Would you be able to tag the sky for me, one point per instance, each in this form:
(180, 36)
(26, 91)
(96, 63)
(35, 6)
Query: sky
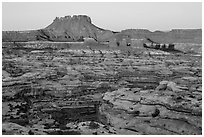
(115, 16)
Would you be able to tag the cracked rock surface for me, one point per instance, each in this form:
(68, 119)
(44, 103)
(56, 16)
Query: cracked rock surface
(83, 90)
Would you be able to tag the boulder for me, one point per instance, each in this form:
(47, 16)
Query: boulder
(5, 74)
(162, 85)
(173, 87)
(170, 85)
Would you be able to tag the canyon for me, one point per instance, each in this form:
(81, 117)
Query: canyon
(73, 78)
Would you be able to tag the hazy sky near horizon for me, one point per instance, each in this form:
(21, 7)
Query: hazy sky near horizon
(108, 15)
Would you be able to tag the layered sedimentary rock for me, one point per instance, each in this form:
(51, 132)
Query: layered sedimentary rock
(51, 88)
(89, 87)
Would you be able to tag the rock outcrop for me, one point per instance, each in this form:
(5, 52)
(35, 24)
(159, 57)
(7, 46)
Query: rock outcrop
(76, 28)
(50, 88)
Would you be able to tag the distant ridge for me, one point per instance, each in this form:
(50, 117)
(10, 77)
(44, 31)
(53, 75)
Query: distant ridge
(77, 27)
(173, 36)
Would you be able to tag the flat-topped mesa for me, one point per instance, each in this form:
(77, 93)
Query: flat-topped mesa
(79, 28)
(81, 17)
(68, 23)
(76, 18)
(75, 28)
(68, 28)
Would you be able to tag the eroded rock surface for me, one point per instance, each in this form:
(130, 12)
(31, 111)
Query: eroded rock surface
(70, 90)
